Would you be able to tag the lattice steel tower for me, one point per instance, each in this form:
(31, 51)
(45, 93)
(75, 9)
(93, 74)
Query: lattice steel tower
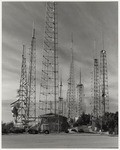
(104, 97)
(19, 107)
(49, 86)
(61, 102)
(80, 98)
(71, 90)
(32, 80)
(96, 89)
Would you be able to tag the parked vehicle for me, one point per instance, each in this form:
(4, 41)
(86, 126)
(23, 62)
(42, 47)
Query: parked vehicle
(72, 130)
(80, 129)
(17, 130)
(45, 129)
(35, 129)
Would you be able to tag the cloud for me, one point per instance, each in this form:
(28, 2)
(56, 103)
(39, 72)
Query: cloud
(85, 20)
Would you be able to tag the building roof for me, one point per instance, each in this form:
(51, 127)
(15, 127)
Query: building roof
(50, 115)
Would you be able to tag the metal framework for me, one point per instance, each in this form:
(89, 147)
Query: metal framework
(49, 86)
(71, 90)
(92, 92)
(80, 98)
(32, 80)
(96, 90)
(19, 107)
(104, 96)
(61, 102)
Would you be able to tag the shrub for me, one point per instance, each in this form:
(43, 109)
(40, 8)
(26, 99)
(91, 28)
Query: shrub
(6, 127)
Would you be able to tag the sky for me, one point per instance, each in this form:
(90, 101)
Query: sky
(86, 20)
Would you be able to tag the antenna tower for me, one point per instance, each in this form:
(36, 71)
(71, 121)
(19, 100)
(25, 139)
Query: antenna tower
(96, 90)
(19, 107)
(80, 97)
(95, 85)
(104, 97)
(71, 90)
(49, 86)
(61, 99)
(32, 80)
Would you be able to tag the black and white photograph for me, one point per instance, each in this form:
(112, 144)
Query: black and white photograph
(59, 74)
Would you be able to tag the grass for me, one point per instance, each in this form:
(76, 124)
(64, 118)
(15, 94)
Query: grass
(61, 140)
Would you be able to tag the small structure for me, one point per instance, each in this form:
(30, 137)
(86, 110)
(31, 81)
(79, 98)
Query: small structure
(53, 122)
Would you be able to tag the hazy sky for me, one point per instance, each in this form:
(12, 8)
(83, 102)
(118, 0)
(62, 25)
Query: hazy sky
(86, 20)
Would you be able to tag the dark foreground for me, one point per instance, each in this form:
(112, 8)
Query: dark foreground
(61, 140)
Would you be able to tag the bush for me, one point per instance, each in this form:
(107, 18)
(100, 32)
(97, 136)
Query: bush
(81, 131)
(6, 127)
(109, 122)
(17, 130)
(84, 119)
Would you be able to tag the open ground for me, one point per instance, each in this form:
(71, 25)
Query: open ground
(61, 140)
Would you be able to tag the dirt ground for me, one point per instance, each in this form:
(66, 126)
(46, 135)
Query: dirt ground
(61, 140)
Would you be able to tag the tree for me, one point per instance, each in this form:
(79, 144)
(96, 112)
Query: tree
(84, 119)
(110, 122)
